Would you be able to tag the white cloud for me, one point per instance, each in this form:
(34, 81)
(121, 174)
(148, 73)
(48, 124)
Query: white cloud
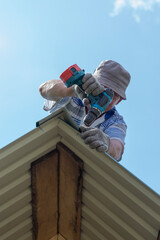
(135, 5)
(140, 4)
(118, 5)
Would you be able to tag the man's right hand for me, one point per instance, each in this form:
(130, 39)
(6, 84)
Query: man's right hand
(91, 85)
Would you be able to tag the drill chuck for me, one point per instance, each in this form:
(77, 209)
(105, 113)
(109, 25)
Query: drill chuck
(91, 116)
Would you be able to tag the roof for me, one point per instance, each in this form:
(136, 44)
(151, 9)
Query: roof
(115, 204)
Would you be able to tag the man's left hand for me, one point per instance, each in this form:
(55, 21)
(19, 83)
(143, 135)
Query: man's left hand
(96, 139)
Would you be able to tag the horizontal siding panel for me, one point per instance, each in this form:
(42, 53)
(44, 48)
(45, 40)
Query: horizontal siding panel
(118, 191)
(18, 231)
(91, 231)
(15, 187)
(15, 219)
(142, 209)
(35, 139)
(15, 165)
(146, 195)
(101, 226)
(101, 217)
(27, 236)
(15, 204)
(111, 167)
(84, 236)
(12, 172)
(117, 207)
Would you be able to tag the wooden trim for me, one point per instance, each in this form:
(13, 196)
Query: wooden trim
(158, 238)
(70, 193)
(45, 196)
(56, 195)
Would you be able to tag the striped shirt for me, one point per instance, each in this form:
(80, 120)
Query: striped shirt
(110, 123)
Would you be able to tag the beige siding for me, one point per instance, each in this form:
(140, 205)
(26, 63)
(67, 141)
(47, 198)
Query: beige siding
(15, 165)
(116, 205)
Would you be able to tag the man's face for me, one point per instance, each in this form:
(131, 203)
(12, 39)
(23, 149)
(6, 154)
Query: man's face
(115, 100)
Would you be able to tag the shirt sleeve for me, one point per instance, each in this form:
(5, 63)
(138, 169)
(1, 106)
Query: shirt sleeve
(117, 129)
(74, 106)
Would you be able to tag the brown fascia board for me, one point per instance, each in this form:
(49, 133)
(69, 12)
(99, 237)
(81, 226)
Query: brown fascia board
(57, 194)
(44, 177)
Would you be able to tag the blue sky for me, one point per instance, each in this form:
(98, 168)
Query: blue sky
(40, 39)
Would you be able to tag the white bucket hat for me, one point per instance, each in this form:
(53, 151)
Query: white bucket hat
(111, 74)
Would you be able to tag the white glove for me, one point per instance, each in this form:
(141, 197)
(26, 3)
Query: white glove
(96, 138)
(91, 85)
(78, 92)
(49, 89)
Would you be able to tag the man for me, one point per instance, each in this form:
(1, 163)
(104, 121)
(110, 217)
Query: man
(107, 133)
